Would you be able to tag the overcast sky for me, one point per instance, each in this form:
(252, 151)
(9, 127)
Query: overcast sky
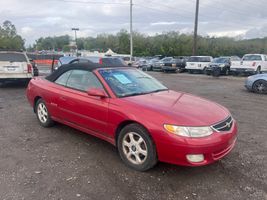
(33, 18)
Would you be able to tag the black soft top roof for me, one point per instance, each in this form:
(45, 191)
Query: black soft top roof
(90, 66)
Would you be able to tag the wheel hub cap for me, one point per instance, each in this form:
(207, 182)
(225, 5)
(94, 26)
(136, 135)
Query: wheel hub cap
(134, 148)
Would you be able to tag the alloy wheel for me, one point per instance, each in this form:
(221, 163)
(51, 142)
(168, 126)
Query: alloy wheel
(260, 86)
(134, 148)
(42, 112)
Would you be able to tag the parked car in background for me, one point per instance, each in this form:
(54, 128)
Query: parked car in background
(176, 64)
(141, 64)
(15, 66)
(126, 107)
(257, 83)
(198, 64)
(221, 65)
(105, 61)
(151, 63)
(127, 59)
(251, 64)
(158, 66)
(34, 67)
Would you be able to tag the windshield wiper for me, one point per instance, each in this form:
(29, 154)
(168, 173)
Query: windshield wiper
(159, 90)
(142, 93)
(135, 94)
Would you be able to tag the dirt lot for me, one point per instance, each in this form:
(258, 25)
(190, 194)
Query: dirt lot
(62, 163)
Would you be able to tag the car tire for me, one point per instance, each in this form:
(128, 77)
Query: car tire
(136, 148)
(260, 87)
(42, 114)
(179, 70)
(190, 71)
(227, 72)
(204, 71)
(2, 83)
(258, 71)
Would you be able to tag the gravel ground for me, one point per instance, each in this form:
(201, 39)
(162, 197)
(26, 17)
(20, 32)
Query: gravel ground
(63, 163)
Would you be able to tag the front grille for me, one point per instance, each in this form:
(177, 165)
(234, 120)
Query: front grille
(225, 125)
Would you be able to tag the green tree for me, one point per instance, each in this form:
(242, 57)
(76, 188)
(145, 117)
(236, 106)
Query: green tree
(9, 39)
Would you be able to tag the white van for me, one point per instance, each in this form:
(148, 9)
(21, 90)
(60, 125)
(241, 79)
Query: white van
(14, 66)
(198, 63)
(251, 64)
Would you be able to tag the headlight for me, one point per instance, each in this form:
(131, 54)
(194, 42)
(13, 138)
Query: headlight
(194, 132)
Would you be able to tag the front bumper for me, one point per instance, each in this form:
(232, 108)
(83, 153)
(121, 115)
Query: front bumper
(244, 70)
(157, 68)
(213, 148)
(15, 76)
(169, 68)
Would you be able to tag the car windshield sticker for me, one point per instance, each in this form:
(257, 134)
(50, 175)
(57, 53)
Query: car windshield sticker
(122, 78)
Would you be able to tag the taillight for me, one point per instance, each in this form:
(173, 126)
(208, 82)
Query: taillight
(100, 61)
(254, 64)
(29, 68)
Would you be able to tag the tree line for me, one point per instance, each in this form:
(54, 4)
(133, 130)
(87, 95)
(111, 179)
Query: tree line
(167, 43)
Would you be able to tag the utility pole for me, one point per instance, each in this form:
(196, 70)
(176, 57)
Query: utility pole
(195, 29)
(131, 30)
(75, 31)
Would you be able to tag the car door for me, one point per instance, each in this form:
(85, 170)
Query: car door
(80, 109)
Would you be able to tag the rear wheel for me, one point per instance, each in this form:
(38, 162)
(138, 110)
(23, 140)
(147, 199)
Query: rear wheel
(260, 87)
(136, 148)
(42, 114)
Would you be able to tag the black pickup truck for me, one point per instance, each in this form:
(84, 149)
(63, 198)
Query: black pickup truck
(177, 64)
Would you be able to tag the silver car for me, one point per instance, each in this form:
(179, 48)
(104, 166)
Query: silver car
(257, 83)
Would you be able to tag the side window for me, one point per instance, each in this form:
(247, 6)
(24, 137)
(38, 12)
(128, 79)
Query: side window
(83, 80)
(62, 80)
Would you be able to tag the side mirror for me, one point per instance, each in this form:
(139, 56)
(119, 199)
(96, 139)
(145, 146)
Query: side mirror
(96, 92)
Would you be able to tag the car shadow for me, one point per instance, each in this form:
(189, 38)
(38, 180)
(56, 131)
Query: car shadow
(106, 148)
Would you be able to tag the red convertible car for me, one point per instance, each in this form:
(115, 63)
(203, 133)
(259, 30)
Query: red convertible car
(146, 121)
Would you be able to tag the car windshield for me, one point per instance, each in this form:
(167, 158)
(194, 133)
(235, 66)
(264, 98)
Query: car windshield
(199, 59)
(130, 82)
(252, 57)
(220, 60)
(13, 57)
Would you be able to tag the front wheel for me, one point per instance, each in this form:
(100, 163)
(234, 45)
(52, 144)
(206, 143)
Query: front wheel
(136, 148)
(260, 87)
(42, 114)
(180, 70)
(227, 71)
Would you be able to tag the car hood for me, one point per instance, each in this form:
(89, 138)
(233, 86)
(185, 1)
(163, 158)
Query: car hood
(259, 76)
(181, 108)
